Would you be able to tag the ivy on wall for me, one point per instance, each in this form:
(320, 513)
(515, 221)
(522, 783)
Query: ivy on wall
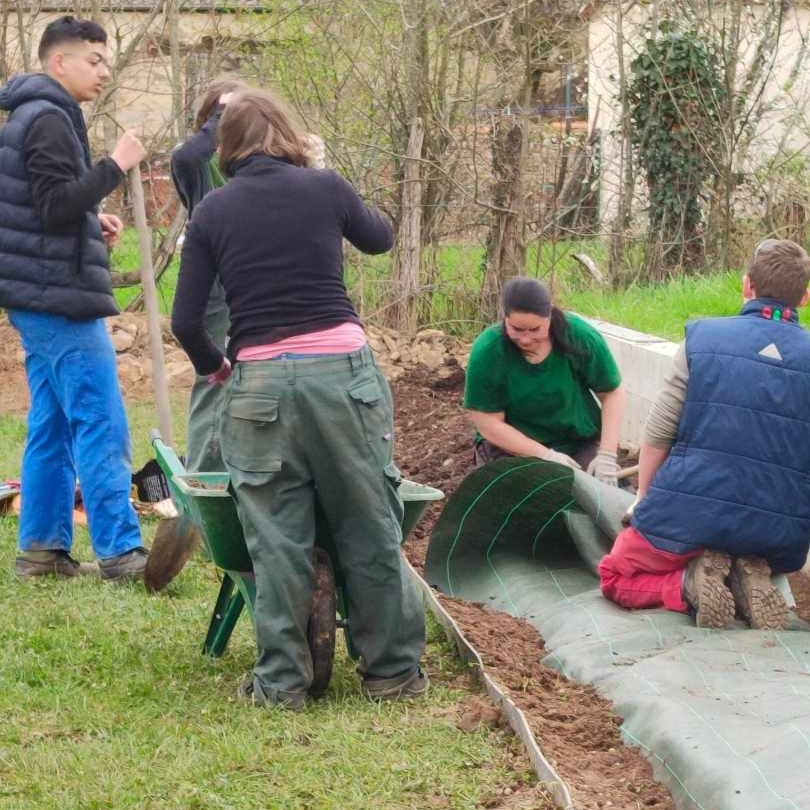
(675, 95)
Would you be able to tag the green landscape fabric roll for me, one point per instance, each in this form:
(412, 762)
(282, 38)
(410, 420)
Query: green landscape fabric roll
(724, 716)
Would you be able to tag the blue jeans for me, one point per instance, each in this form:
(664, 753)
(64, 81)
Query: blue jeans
(76, 424)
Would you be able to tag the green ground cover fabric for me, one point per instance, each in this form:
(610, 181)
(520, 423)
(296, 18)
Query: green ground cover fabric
(724, 716)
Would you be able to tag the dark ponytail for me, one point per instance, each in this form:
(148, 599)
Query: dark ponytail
(558, 333)
(530, 295)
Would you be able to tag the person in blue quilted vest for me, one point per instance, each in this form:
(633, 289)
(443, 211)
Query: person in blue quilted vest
(55, 285)
(724, 479)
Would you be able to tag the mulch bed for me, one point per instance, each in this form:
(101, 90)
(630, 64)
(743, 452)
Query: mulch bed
(577, 730)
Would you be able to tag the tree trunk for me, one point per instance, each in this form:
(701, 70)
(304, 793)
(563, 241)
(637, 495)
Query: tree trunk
(4, 66)
(506, 247)
(197, 75)
(621, 223)
(172, 12)
(408, 257)
(23, 26)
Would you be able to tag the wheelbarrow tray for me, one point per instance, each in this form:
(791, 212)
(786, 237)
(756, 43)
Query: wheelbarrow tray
(206, 499)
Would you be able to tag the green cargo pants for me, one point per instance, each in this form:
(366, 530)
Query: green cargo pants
(294, 430)
(203, 453)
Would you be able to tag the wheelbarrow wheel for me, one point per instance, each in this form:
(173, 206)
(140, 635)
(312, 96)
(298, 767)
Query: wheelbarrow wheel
(322, 624)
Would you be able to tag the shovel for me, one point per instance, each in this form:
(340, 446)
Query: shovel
(176, 538)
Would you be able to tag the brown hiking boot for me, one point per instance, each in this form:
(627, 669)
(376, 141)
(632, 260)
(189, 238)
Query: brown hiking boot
(52, 562)
(411, 685)
(124, 567)
(757, 600)
(704, 589)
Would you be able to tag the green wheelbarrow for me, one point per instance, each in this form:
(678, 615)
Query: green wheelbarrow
(205, 500)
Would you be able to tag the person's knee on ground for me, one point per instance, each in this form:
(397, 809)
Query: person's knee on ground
(637, 575)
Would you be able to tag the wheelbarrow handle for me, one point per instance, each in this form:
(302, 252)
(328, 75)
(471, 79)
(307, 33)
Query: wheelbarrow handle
(155, 436)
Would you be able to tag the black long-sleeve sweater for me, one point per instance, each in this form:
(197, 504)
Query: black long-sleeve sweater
(62, 188)
(274, 237)
(191, 176)
(189, 162)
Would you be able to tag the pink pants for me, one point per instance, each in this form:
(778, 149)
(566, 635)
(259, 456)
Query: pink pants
(638, 575)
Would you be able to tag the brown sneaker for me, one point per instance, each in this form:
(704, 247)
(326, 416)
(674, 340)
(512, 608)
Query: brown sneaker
(704, 589)
(411, 685)
(757, 600)
(124, 567)
(53, 562)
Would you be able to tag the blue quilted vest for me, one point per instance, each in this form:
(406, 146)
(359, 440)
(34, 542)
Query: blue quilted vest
(63, 272)
(737, 478)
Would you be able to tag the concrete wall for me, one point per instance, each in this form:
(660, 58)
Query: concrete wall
(644, 361)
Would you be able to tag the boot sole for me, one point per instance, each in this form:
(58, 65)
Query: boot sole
(758, 602)
(715, 600)
(716, 605)
(126, 576)
(87, 570)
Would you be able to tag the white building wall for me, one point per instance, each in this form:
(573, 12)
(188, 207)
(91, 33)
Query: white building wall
(784, 126)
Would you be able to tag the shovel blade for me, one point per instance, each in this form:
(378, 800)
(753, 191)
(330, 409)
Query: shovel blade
(174, 543)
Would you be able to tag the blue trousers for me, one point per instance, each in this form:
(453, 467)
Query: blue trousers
(76, 424)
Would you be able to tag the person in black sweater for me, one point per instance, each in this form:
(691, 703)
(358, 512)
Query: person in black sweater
(307, 414)
(195, 173)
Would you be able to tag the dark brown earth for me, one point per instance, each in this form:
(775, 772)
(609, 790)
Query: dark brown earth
(577, 730)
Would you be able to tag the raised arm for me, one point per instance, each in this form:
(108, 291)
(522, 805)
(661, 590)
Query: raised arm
(366, 228)
(62, 190)
(190, 158)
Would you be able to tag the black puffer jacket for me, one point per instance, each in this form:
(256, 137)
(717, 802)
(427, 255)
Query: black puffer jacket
(62, 270)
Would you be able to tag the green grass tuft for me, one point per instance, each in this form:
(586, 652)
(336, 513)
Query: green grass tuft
(451, 300)
(107, 702)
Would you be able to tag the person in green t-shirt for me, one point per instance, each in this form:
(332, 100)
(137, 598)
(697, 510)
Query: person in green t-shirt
(535, 384)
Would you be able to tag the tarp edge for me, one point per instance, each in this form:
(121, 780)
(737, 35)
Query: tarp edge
(546, 773)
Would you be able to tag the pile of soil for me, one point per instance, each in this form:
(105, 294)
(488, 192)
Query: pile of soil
(429, 349)
(14, 390)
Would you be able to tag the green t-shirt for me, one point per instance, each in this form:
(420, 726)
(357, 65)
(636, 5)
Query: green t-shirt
(551, 402)
(215, 176)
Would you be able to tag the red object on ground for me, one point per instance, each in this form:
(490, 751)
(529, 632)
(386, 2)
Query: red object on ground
(636, 574)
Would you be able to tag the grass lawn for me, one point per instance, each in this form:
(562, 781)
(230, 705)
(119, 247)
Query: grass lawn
(451, 298)
(661, 309)
(107, 703)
